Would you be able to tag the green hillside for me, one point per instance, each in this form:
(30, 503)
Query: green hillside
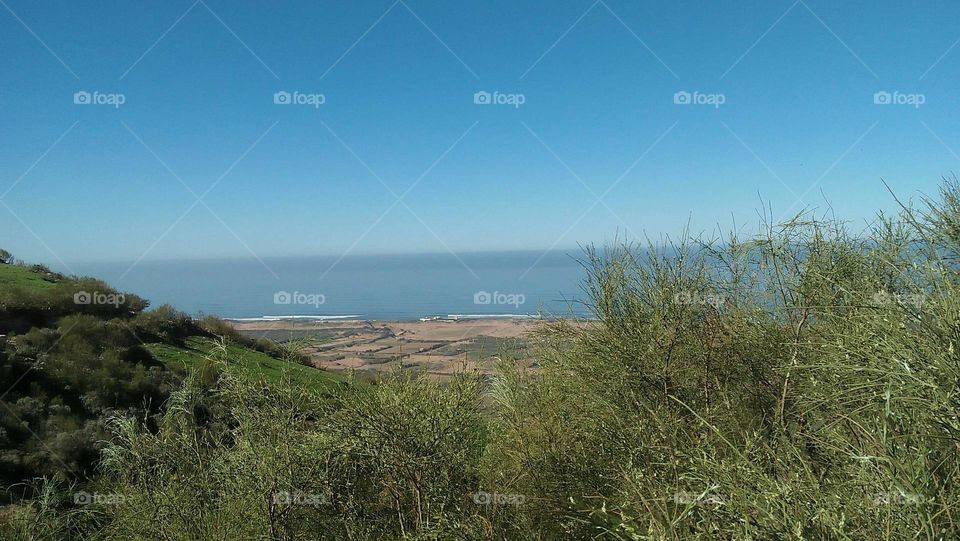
(69, 367)
(255, 364)
(19, 276)
(37, 282)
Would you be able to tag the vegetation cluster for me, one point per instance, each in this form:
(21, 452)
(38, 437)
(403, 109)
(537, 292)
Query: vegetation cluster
(798, 384)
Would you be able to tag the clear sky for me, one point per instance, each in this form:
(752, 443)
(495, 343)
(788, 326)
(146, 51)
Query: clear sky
(788, 112)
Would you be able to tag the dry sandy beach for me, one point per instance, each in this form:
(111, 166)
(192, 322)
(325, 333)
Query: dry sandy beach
(436, 348)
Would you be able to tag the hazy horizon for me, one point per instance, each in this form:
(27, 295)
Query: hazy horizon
(386, 287)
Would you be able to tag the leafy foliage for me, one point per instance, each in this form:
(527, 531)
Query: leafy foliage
(355, 462)
(69, 364)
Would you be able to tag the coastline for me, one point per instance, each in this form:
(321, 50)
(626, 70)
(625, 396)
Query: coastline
(357, 317)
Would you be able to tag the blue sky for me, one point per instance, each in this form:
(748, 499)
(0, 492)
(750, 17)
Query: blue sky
(87, 182)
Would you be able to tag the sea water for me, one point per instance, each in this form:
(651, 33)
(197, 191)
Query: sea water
(379, 287)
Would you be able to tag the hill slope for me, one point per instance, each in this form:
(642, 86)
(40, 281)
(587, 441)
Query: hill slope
(253, 363)
(69, 364)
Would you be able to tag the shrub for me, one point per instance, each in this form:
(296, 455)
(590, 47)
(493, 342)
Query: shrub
(366, 463)
(163, 324)
(798, 385)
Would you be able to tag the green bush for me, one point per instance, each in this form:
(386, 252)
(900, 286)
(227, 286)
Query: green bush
(798, 385)
(49, 516)
(245, 460)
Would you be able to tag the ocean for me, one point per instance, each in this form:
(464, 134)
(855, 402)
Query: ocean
(375, 287)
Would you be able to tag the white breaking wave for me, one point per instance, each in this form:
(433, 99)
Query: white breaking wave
(282, 318)
(493, 316)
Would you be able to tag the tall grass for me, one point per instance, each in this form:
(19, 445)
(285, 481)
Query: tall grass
(801, 384)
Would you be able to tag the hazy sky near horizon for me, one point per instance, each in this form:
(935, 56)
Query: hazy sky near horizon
(588, 143)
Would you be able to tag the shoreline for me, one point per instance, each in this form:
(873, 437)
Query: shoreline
(359, 318)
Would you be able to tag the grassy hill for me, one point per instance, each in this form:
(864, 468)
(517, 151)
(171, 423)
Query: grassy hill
(20, 276)
(255, 364)
(37, 281)
(69, 367)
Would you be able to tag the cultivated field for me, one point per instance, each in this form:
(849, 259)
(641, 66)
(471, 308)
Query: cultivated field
(435, 348)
